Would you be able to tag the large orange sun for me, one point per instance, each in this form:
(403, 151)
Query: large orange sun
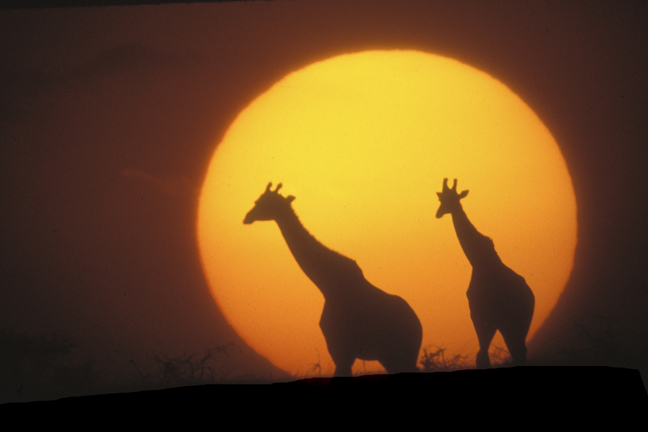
(363, 141)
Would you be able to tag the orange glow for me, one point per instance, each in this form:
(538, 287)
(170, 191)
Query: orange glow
(363, 141)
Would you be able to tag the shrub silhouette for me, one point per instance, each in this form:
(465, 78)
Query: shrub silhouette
(184, 370)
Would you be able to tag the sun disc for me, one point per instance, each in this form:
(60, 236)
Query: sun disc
(363, 141)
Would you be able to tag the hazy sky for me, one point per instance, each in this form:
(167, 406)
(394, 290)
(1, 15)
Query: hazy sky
(109, 117)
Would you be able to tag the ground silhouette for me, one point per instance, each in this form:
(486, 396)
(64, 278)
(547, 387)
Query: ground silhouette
(556, 392)
(499, 298)
(359, 321)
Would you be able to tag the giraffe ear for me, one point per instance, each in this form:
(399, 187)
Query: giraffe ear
(439, 194)
(463, 194)
(290, 199)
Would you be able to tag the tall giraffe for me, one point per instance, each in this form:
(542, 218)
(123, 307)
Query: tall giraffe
(499, 298)
(359, 321)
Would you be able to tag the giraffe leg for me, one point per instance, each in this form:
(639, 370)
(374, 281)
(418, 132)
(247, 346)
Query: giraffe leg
(515, 330)
(516, 343)
(342, 357)
(485, 333)
(400, 364)
(343, 367)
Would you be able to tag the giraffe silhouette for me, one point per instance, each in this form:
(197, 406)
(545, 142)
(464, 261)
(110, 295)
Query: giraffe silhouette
(359, 321)
(499, 298)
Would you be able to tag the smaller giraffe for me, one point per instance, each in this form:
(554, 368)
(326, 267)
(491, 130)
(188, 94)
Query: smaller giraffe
(499, 298)
(359, 321)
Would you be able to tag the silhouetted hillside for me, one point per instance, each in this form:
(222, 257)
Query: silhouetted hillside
(551, 390)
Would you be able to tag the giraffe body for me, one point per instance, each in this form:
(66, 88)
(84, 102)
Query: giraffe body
(359, 321)
(498, 298)
(371, 325)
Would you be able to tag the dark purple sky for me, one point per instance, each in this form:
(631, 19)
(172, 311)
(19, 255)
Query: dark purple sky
(109, 116)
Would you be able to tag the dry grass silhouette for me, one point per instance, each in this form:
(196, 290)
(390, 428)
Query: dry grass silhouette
(435, 359)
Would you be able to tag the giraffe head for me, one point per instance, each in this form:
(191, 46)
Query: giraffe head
(449, 198)
(269, 205)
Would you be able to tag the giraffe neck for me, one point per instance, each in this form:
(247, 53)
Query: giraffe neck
(333, 273)
(477, 247)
